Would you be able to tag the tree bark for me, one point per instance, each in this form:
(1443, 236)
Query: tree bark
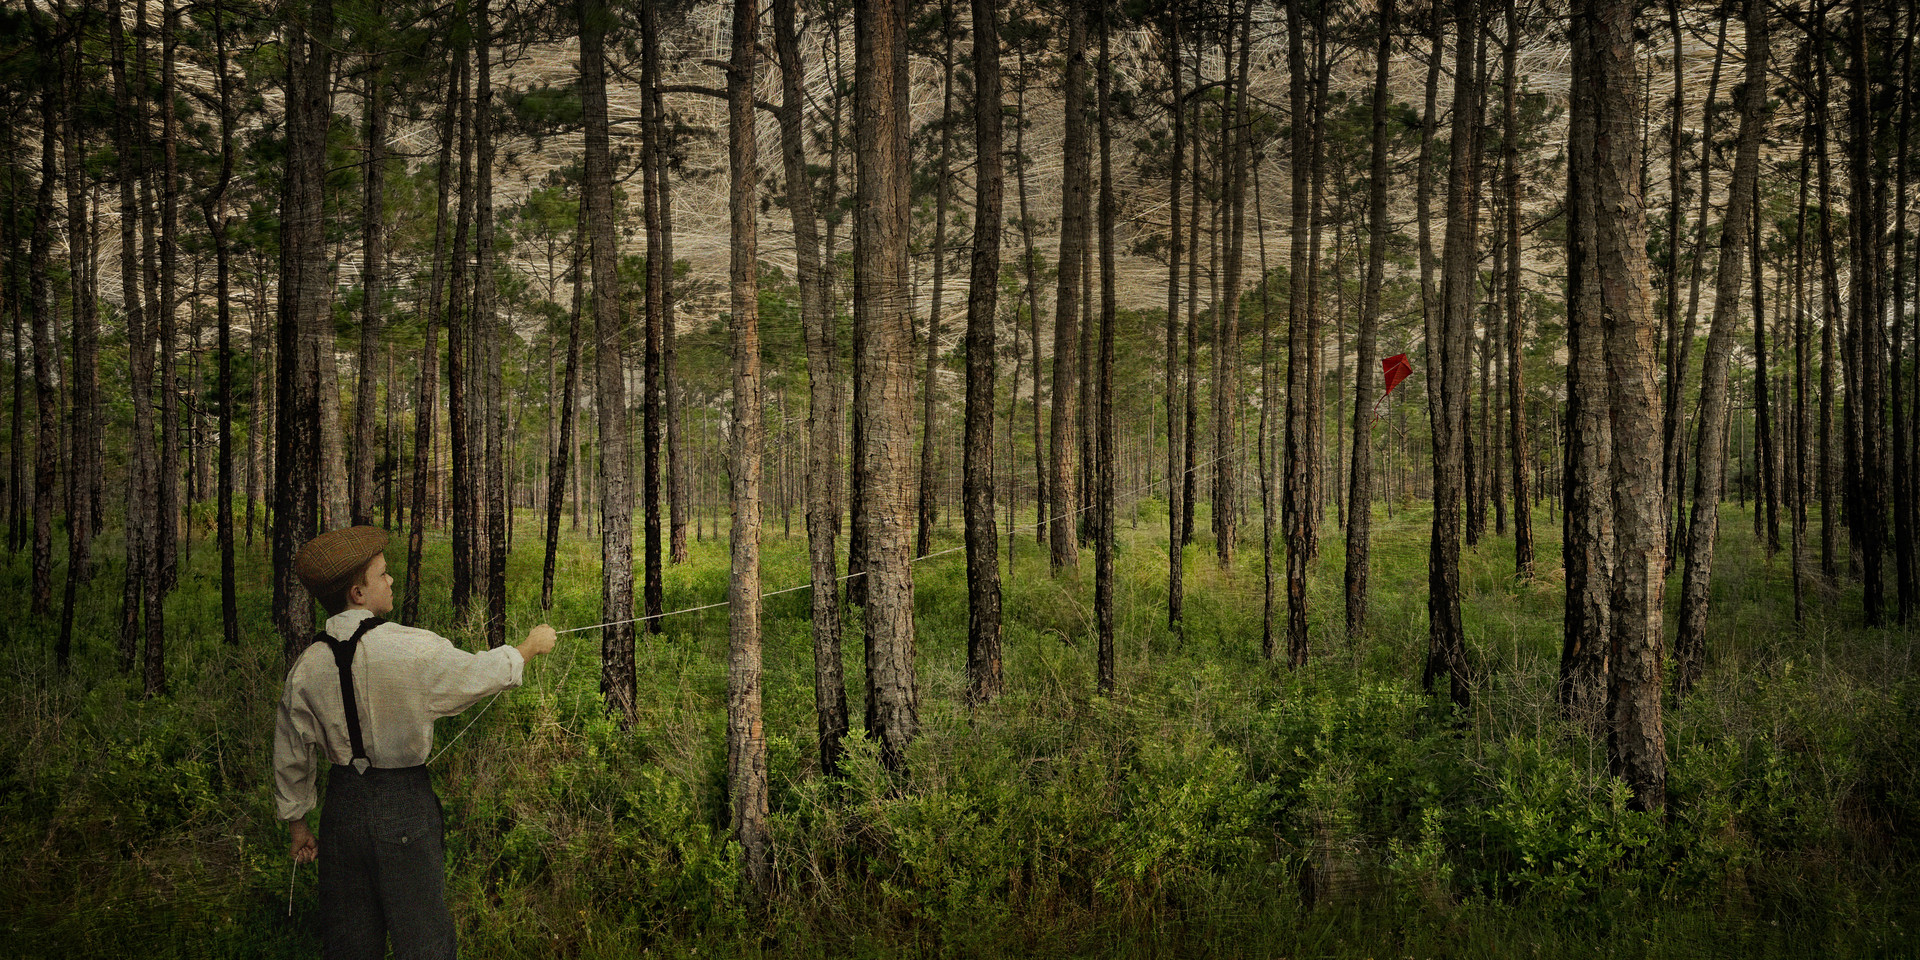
(1176, 572)
(1715, 408)
(1609, 164)
(305, 334)
(1064, 509)
(86, 467)
(882, 320)
(216, 216)
(746, 726)
(372, 277)
(459, 338)
(1446, 636)
(928, 499)
(823, 421)
(1516, 391)
(984, 679)
(1360, 479)
(1870, 520)
(487, 334)
(1104, 449)
(617, 680)
(659, 270)
(425, 409)
(46, 447)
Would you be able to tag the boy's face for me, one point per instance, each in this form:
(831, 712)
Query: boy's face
(377, 594)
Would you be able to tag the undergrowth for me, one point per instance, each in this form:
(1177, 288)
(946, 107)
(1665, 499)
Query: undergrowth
(1216, 805)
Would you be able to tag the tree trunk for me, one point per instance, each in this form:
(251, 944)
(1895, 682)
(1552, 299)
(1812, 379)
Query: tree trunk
(883, 322)
(216, 216)
(1516, 392)
(1226, 387)
(1360, 480)
(1446, 637)
(372, 276)
(46, 458)
(1870, 503)
(823, 421)
(928, 500)
(486, 328)
(1908, 583)
(167, 491)
(983, 573)
(1675, 440)
(137, 581)
(1175, 555)
(617, 680)
(746, 726)
(86, 467)
(1064, 509)
(424, 410)
(1608, 182)
(459, 335)
(1715, 408)
(305, 332)
(1104, 448)
(659, 270)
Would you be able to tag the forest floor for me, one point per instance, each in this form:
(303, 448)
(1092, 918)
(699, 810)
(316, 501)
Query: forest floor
(1216, 805)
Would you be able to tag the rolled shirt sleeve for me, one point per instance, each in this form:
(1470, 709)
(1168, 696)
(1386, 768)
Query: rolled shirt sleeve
(295, 769)
(458, 679)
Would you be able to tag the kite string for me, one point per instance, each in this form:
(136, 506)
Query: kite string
(1016, 531)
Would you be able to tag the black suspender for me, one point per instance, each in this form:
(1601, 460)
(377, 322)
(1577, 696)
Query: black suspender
(343, 658)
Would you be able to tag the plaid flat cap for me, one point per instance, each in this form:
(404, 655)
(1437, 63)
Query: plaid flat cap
(332, 557)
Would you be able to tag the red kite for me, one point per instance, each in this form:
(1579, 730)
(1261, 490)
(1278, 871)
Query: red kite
(1395, 369)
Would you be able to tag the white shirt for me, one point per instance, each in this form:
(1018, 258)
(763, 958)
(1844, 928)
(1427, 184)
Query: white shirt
(403, 678)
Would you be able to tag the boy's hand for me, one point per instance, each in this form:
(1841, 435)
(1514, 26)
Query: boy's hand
(539, 640)
(305, 848)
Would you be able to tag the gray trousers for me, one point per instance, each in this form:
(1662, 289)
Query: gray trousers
(383, 867)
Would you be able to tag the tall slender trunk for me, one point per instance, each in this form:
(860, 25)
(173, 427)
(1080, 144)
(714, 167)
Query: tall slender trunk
(1715, 406)
(1609, 164)
(1175, 555)
(1908, 583)
(1675, 439)
(823, 373)
(1360, 479)
(305, 335)
(1516, 391)
(617, 680)
(1226, 388)
(654, 332)
(1298, 505)
(1104, 449)
(459, 337)
(883, 322)
(984, 679)
(81, 522)
(1061, 481)
(46, 453)
(424, 409)
(1446, 637)
(167, 490)
(487, 333)
(216, 216)
(1830, 517)
(372, 274)
(928, 498)
(1870, 502)
(1768, 473)
(746, 725)
(1190, 475)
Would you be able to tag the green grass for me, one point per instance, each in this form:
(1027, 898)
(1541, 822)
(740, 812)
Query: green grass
(1189, 814)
